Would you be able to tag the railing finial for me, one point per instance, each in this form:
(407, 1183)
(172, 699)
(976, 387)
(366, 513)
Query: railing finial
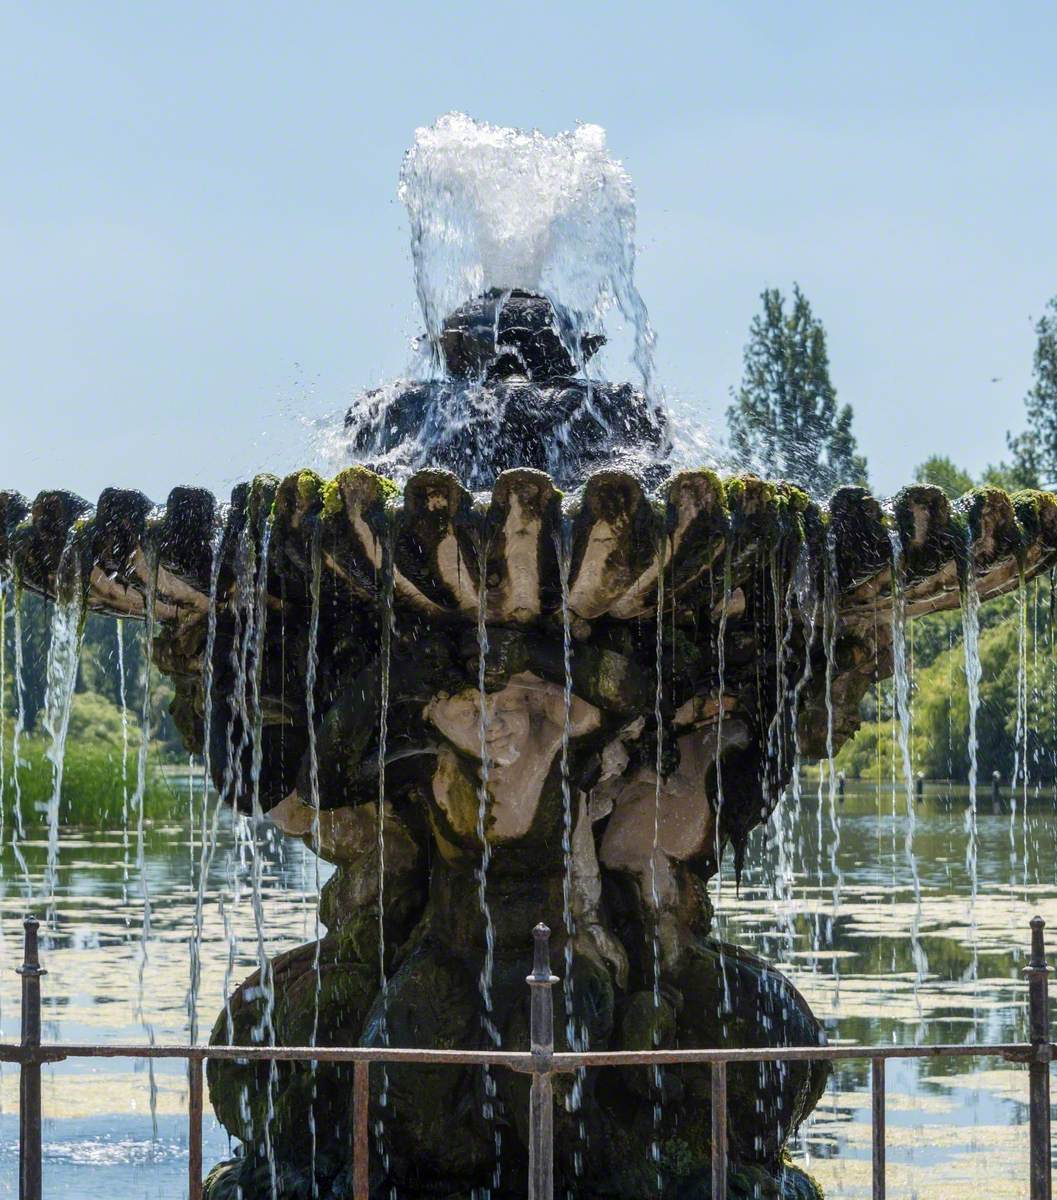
(31, 948)
(1038, 946)
(541, 957)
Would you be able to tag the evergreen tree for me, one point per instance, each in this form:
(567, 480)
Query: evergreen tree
(785, 421)
(1035, 450)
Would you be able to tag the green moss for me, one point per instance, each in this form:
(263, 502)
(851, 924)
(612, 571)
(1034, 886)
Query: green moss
(333, 499)
(973, 504)
(1029, 505)
(261, 496)
(794, 498)
(309, 487)
(333, 504)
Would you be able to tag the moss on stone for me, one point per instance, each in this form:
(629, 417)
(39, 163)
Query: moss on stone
(975, 502)
(261, 497)
(332, 490)
(309, 487)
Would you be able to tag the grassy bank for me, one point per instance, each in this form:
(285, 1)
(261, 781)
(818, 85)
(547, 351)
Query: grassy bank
(95, 781)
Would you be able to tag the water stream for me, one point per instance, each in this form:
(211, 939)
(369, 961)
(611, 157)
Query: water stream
(655, 852)
(484, 981)
(138, 804)
(208, 828)
(903, 709)
(18, 831)
(386, 629)
(64, 653)
(973, 674)
(576, 1035)
(311, 671)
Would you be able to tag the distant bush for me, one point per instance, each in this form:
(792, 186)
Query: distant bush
(940, 704)
(92, 787)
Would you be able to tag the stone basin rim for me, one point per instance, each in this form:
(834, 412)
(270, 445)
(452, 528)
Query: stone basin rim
(616, 532)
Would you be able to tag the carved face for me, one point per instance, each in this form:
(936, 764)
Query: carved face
(522, 726)
(526, 712)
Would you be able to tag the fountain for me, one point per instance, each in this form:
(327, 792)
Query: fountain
(493, 707)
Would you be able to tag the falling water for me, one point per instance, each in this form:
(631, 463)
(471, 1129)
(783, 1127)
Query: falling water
(311, 670)
(575, 1034)
(830, 620)
(208, 830)
(902, 700)
(655, 899)
(1020, 747)
(485, 979)
(806, 597)
(138, 802)
(119, 635)
(18, 832)
(242, 608)
(3, 700)
(973, 674)
(386, 619)
(807, 600)
(387, 622)
(64, 655)
(265, 1029)
(721, 671)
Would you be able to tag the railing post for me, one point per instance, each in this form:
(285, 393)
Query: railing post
(361, 1101)
(719, 1131)
(194, 1128)
(878, 1131)
(29, 1116)
(541, 1101)
(1039, 1070)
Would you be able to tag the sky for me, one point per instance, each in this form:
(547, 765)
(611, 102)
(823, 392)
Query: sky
(204, 258)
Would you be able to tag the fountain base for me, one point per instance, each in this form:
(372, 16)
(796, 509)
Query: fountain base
(452, 1131)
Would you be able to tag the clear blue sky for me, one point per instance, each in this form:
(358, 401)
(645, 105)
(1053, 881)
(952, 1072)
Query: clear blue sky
(201, 241)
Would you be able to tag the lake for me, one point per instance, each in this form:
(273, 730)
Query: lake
(829, 893)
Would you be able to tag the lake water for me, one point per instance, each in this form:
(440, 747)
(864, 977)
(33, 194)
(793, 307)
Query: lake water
(842, 927)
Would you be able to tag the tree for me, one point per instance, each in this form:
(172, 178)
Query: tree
(1035, 450)
(784, 420)
(941, 472)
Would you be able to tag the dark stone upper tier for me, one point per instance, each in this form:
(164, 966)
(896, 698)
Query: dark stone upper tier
(514, 396)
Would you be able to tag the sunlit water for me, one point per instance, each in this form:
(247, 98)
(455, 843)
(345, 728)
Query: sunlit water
(98, 1134)
(951, 1124)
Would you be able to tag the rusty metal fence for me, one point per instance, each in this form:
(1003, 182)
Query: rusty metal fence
(542, 1063)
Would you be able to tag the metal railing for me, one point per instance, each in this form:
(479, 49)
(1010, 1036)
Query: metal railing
(542, 1063)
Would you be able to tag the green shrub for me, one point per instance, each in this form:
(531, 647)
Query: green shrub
(92, 788)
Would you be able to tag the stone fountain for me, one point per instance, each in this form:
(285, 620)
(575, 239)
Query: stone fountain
(492, 708)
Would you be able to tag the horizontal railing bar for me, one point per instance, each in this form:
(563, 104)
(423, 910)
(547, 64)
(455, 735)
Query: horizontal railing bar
(520, 1060)
(630, 1058)
(515, 1059)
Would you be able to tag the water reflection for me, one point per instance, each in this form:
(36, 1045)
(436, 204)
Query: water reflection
(99, 1136)
(950, 1121)
(948, 1124)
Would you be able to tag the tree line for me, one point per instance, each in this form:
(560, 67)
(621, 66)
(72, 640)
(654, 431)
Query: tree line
(784, 420)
